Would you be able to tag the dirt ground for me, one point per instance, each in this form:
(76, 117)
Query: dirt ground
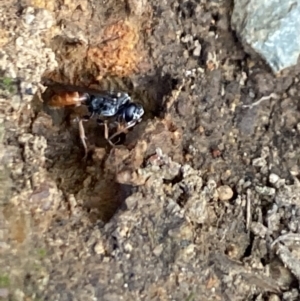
(201, 201)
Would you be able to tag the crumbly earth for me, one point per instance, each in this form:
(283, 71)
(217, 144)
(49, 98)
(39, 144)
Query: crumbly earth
(202, 199)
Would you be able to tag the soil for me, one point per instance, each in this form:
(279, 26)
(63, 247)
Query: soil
(199, 201)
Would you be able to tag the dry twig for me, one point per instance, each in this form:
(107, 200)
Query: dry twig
(250, 106)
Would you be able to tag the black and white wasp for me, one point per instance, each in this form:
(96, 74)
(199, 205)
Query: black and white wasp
(107, 106)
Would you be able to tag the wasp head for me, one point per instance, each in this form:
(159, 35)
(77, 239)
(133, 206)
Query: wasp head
(132, 112)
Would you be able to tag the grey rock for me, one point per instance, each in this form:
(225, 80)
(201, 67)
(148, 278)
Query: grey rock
(269, 28)
(259, 162)
(197, 49)
(273, 178)
(265, 190)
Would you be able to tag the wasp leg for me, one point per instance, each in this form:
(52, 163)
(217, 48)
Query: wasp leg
(121, 129)
(106, 133)
(82, 132)
(106, 130)
(82, 137)
(104, 123)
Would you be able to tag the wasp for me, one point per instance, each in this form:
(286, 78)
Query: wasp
(116, 106)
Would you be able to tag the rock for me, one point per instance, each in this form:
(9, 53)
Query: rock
(273, 297)
(273, 178)
(158, 250)
(99, 248)
(259, 162)
(196, 208)
(197, 49)
(225, 193)
(264, 190)
(196, 197)
(290, 260)
(269, 28)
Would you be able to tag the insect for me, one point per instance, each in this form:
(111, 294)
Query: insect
(116, 106)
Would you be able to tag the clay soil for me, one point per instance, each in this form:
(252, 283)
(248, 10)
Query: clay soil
(199, 201)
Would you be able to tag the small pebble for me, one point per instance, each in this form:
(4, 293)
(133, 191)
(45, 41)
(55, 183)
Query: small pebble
(28, 18)
(158, 250)
(252, 94)
(19, 41)
(99, 248)
(273, 178)
(294, 171)
(225, 193)
(187, 38)
(273, 297)
(264, 190)
(183, 107)
(259, 162)
(197, 50)
(196, 209)
(232, 251)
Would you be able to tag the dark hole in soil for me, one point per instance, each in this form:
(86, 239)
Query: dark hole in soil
(65, 152)
(248, 250)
